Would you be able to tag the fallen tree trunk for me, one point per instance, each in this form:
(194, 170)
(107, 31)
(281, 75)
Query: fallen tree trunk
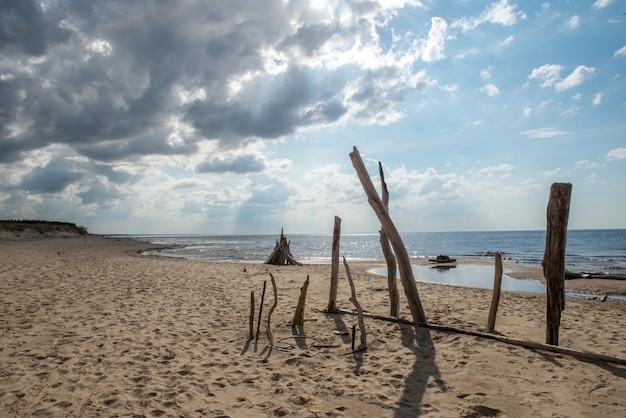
(582, 354)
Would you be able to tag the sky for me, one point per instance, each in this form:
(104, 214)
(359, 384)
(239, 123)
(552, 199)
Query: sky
(238, 117)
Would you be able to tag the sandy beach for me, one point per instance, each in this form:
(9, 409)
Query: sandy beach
(91, 328)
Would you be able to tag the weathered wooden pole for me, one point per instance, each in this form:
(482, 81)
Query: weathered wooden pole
(554, 257)
(298, 316)
(404, 263)
(359, 309)
(495, 297)
(334, 269)
(392, 283)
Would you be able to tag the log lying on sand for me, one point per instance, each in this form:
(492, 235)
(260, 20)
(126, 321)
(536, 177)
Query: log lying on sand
(281, 254)
(571, 275)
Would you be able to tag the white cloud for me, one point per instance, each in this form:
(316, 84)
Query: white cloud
(601, 4)
(548, 74)
(501, 13)
(597, 100)
(551, 173)
(576, 78)
(544, 133)
(620, 52)
(485, 73)
(527, 111)
(617, 154)
(587, 165)
(433, 48)
(500, 171)
(507, 41)
(574, 22)
(490, 90)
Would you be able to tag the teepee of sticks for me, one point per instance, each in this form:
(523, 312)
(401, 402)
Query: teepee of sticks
(281, 254)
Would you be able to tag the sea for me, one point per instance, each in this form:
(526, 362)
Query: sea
(598, 251)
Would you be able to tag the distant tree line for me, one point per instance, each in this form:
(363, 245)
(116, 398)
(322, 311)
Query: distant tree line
(41, 226)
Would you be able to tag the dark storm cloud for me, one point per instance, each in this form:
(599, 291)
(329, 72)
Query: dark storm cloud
(52, 178)
(114, 80)
(100, 194)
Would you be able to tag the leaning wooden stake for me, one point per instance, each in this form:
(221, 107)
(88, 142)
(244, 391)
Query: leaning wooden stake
(258, 326)
(359, 310)
(334, 269)
(251, 334)
(298, 316)
(495, 298)
(554, 258)
(392, 283)
(404, 263)
(270, 337)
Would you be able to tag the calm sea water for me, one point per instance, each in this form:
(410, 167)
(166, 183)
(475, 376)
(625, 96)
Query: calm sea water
(587, 250)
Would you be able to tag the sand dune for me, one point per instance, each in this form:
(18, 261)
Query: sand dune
(90, 328)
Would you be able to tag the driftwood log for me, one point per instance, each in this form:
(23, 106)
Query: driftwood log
(390, 258)
(334, 268)
(582, 354)
(258, 326)
(281, 254)
(554, 258)
(251, 333)
(404, 263)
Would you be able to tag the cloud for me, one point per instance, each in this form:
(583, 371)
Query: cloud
(576, 78)
(597, 99)
(117, 81)
(550, 75)
(239, 164)
(501, 13)
(620, 52)
(544, 133)
(617, 154)
(574, 22)
(490, 90)
(601, 4)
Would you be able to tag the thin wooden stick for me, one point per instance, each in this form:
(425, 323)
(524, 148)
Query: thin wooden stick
(357, 305)
(251, 334)
(270, 337)
(258, 326)
(495, 297)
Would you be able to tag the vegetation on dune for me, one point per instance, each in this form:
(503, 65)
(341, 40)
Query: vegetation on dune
(43, 227)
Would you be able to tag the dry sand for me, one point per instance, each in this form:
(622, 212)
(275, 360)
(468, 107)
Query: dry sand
(90, 328)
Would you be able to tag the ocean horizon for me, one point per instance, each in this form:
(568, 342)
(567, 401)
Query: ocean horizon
(587, 250)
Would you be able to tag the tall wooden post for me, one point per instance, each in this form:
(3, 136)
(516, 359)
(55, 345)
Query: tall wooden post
(495, 297)
(404, 263)
(554, 257)
(334, 269)
(392, 284)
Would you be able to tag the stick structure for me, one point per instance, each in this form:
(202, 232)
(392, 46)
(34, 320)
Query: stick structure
(495, 297)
